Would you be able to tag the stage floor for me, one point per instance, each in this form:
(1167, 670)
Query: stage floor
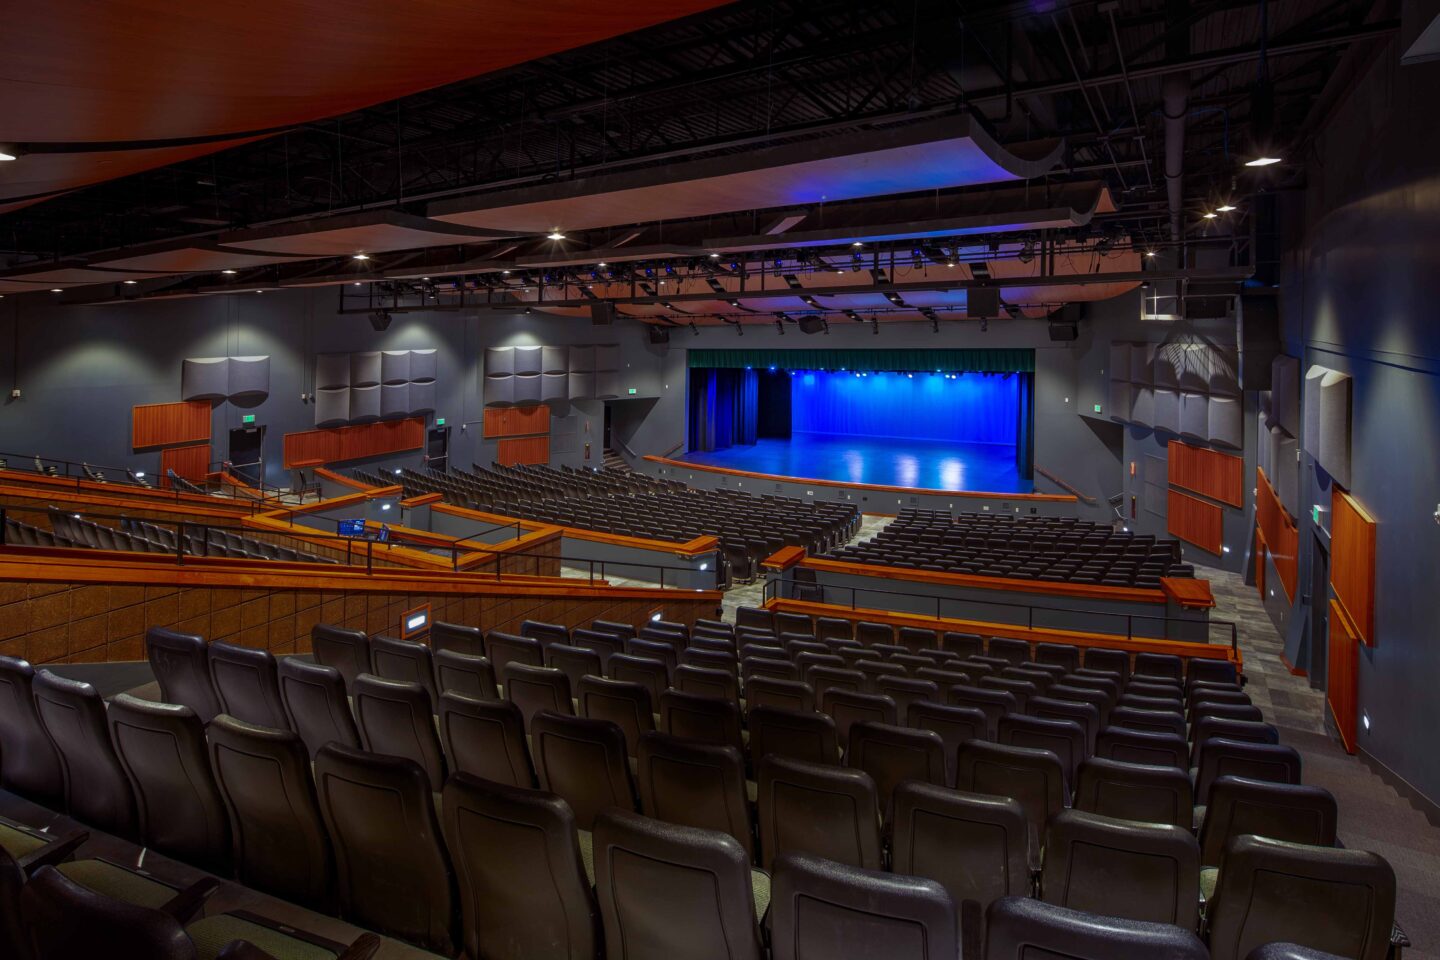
(884, 461)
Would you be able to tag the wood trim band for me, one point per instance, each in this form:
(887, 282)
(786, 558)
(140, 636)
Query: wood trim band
(1195, 521)
(1210, 473)
(692, 548)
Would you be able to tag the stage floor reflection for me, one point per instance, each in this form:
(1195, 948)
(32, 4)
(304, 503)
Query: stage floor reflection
(887, 461)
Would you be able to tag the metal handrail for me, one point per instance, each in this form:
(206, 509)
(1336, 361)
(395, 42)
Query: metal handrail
(119, 477)
(772, 591)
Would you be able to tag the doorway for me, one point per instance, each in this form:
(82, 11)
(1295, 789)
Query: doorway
(1319, 638)
(607, 427)
(246, 452)
(437, 448)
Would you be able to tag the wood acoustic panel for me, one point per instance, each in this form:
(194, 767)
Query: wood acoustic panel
(1210, 473)
(189, 463)
(1352, 563)
(1195, 521)
(524, 450)
(1342, 691)
(517, 421)
(165, 424)
(1281, 536)
(316, 447)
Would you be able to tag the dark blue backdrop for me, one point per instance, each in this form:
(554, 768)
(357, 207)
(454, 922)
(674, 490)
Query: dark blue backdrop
(971, 408)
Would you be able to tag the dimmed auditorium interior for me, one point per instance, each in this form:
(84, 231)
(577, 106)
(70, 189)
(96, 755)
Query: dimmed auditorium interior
(766, 480)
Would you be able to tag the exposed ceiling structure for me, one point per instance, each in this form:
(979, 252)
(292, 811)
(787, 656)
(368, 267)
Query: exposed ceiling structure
(754, 163)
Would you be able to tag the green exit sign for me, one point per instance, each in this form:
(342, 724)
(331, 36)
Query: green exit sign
(439, 421)
(632, 391)
(1315, 515)
(248, 418)
(1097, 408)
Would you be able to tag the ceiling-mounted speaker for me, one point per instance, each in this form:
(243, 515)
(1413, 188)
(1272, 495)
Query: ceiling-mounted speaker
(1257, 332)
(982, 303)
(659, 334)
(1063, 330)
(602, 313)
(380, 321)
(811, 324)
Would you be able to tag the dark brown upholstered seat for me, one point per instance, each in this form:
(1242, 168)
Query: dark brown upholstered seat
(1289, 951)
(1158, 721)
(1110, 661)
(965, 644)
(280, 843)
(826, 811)
(849, 707)
(829, 911)
(546, 633)
(807, 736)
(1021, 690)
(467, 641)
(1033, 778)
(1064, 738)
(576, 663)
(625, 704)
(916, 638)
(485, 739)
(622, 630)
(248, 685)
(955, 725)
(1013, 651)
(765, 691)
(181, 664)
(583, 761)
(834, 628)
(1219, 757)
(1281, 811)
(976, 846)
(533, 689)
(29, 764)
(647, 671)
(893, 754)
(1121, 868)
(906, 691)
(504, 649)
(97, 792)
(654, 650)
(871, 634)
(406, 661)
(695, 785)
(65, 921)
(1342, 901)
(1159, 665)
(1142, 746)
(670, 892)
(707, 682)
(346, 650)
(1132, 791)
(606, 645)
(161, 747)
(522, 887)
(316, 705)
(702, 719)
(1101, 700)
(1085, 714)
(1245, 731)
(1061, 654)
(392, 872)
(394, 720)
(1017, 928)
(993, 703)
(1199, 670)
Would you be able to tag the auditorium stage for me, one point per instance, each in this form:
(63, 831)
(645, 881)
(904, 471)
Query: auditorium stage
(883, 461)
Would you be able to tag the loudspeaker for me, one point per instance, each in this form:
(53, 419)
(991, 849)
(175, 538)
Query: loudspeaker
(602, 313)
(659, 334)
(380, 321)
(982, 303)
(811, 324)
(1064, 330)
(1257, 323)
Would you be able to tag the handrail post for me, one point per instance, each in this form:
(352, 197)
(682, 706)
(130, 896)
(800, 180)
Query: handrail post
(180, 544)
(2, 526)
(369, 558)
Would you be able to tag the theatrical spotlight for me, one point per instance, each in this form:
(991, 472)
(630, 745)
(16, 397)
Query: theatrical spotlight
(1027, 251)
(694, 329)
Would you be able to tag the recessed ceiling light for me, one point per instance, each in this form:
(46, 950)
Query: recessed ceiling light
(357, 283)
(505, 272)
(55, 290)
(857, 243)
(1149, 253)
(1262, 161)
(259, 291)
(555, 235)
(228, 273)
(129, 282)
(714, 256)
(1226, 207)
(602, 263)
(6, 155)
(361, 256)
(1211, 216)
(424, 278)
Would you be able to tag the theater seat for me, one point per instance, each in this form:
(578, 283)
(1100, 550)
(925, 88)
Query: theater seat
(893, 754)
(1219, 757)
(627, 705)
(1289, 951)
(181, 664)
(954, 725)
(1142, 746)
(1064, 738)
(1033, 778)
(406, 661)
(767, 691)
(394, 719)
(29, 764)
(1121, 868)
(668, 892)
(533, 689)
(248, 685)
(817, 809)
(315, 704)
(486, 739)
(97, 792)
(524, 894)
(828, 911)
(161, 747)
(393, 876)
(1018, 928)
(695, 785)
(65, 921)
(703, 719)
(1279, 811)
(507, 648)
(346, 650)
(467, 641)
(583, 761)
(800, 735)
(1133, 791)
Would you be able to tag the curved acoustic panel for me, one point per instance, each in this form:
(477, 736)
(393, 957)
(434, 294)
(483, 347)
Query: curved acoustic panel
(394, 399)
(1119, 399)
(1142, 361)
(1285, 393)
(1165, 371)
(1310, 399)
(422, 396)
(582, 359)
(332, 370)
(1224, 372)
(554, 360)
(1119, 360)
(499, 361)
(332, 406)
(499, 391)
(554, 386)
(1226, 422)
(249, 377)
(1194, 416)
(423, 365)
(582, 386)
(365, 368)
(1142, 404)
(1167, 411)
(607, 384)
(205, 379)
(364, 403)
(527, 361)
(395, 366)
(1334, 453)
(607, 357)
(1287, 473)
(527, 388)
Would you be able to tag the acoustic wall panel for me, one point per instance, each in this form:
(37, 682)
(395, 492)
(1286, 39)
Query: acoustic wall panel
(499, 390)
(206, 378)
(582, 386)
(1226, 422)
(527, 361)
(1267, 448)
(249, 377)
(582, 359)
(499, 361)
(1142, 404)
(1142, 360)
(1194, 415)
(364, 403)
(1119, 361)
(394, 399)
(1195, 521)
(161, 424)
(607, 384)
(332, 406)
(189, 463)
(395, 366)
(1167, 410)
(423, 365)
(1210, 473)
(554, 387)
(1224, 372)
(1153, 498)
(527, 388)
(1352, 567)
(1193, 364)
(1287, 474)
(1310, 401)
(332, 370)
(554, 360)
(1165, 372)
(365, 368)
(607, 357)
(422, 396)
(1285, 393)
(1119, 399)
(1334, 454)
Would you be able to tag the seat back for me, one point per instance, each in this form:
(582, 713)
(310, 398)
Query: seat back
(1013, 651)
(1087, 715)
(576, 663)
(807, 736)
(826, 811)
(465, 674)
(1342, 901)
(161, 747)
(647, 671)
(315, 704)
(248, 685)
(390, 863)
(1132, 791)
(394, 720)
(977, 847)
(346, 650)
(906, 691)
(97, 792)
(584, 762)
(1064, 738)
(669, 891)
(522, 887)
(849, 707)
(625, 704)
(181, 664)
(507, 648)
(1061, 654)
(485, 739)
(622, 630)
(466, 641)
(1033, 778)
(704, 719)
(955, 725)
(993, 703)
(533, 689)
(1247, 731)
(279, 842)
(606, 645)
(1120, 868)
(893, 754)
(1018, 928)
(406, 661)
(707, 682)
(1219, 757)
(836, 912)
(1280, 811)
(1198, 670)
(1109, 661)
(1157, 721)
(1165, 665)
(65, 921)
(29, 764)
(1142, 746)
(695, 785)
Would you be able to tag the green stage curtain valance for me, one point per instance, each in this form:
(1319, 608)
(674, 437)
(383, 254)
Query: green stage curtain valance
(945, 361)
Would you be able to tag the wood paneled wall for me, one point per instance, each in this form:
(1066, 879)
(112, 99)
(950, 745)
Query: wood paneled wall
(191, 463)
(1210, 473)
(1195, 521)
(1352, 563)
(314, 447)
(523, 450)
(517, 421)
(1281, 536)
(162, 424)
(1342, 691)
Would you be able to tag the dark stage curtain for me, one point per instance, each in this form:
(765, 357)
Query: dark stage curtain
(774, 417)
(1025, 427)
(724, 408)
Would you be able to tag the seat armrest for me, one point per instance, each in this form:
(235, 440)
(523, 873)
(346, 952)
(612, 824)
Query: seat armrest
(187, 903)
(53, 853)
(363, 948)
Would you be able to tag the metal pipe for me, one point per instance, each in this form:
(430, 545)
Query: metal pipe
(1175, 94)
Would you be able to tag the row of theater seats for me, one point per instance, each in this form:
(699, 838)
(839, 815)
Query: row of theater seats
(1003, 545)
(500, 487)
(142, 536)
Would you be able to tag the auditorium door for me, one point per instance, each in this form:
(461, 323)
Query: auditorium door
(1319, 638)
(437, 448)
(246, 453)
